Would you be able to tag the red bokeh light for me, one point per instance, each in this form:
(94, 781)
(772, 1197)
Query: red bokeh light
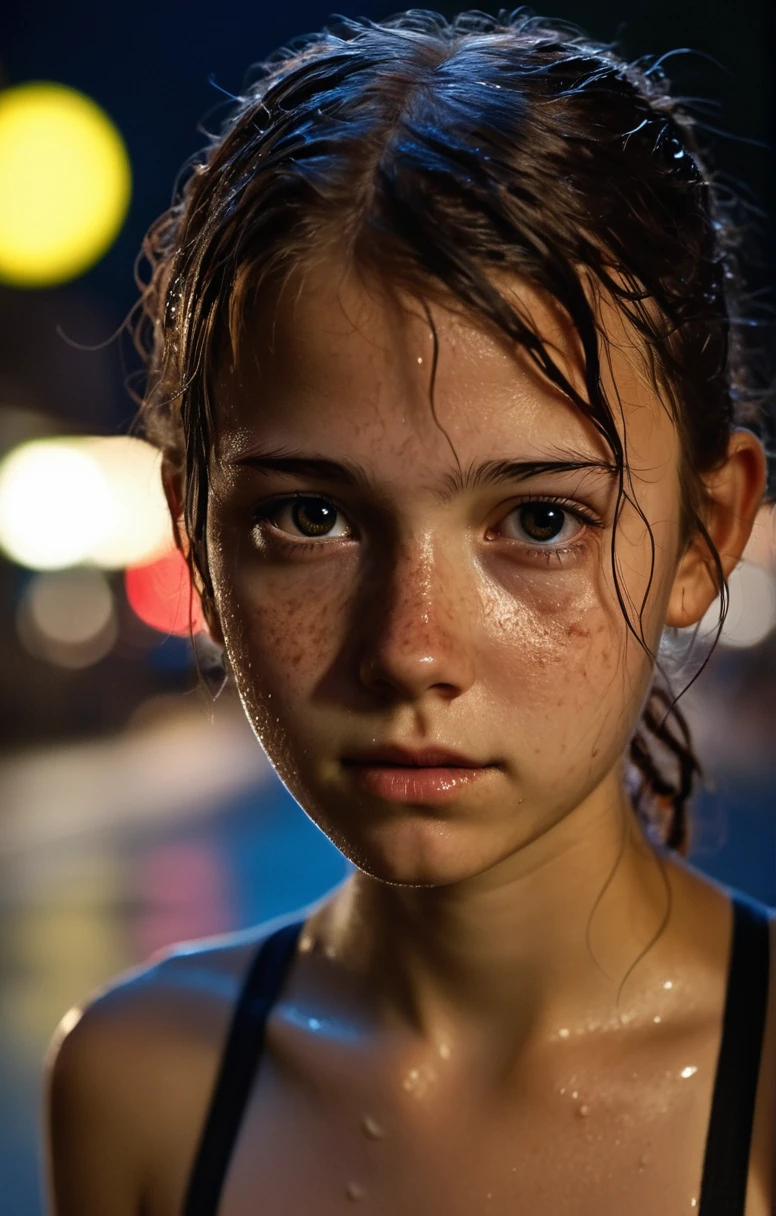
(162, 596)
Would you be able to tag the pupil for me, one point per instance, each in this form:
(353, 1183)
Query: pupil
(313, 517)
(542, 520)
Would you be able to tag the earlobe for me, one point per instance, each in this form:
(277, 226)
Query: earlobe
(696, 584)
(733, 494)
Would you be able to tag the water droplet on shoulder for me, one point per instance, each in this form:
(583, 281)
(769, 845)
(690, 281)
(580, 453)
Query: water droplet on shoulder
(371, 1128)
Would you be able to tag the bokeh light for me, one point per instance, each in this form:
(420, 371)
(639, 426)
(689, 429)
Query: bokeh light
(138, 529)
(751, 614)
(65, 183)
(161, 594)
(84, 500)
(54, 504)
(68, 617)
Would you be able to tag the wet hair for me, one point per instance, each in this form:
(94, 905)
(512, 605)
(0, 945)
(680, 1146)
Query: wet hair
(441, 155)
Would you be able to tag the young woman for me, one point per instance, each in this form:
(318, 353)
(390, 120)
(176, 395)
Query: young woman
(444, 369)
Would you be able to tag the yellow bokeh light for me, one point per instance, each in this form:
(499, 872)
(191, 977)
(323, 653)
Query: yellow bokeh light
(65, 183)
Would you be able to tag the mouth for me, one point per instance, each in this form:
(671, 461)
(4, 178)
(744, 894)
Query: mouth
(429, 776)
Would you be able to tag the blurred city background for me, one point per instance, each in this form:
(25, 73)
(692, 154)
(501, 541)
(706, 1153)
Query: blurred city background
(134, 810)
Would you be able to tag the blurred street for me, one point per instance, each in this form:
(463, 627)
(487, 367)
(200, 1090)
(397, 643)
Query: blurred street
(111, 850)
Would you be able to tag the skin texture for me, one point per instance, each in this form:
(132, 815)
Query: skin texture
(514, 1003)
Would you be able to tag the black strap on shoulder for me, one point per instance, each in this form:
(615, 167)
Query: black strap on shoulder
(239, 1064)
(726, 1160)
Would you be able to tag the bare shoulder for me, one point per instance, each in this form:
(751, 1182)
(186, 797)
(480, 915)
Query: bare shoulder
(130, 1075)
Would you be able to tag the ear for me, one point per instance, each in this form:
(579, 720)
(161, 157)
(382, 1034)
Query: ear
(733, 493)
(172, 482)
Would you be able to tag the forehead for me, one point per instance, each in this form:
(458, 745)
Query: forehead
(338, 362)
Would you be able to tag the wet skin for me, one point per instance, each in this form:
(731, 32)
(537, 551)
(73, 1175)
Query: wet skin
(464, 1029)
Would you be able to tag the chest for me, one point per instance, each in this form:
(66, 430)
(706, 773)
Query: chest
(585, 1140)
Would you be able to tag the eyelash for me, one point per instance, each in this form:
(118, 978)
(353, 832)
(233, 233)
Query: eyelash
(548, 553)
(545, 553)
(265, 510)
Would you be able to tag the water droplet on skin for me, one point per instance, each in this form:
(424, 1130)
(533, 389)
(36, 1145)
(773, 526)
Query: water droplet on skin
(314, 1023)
(657, 1019)
(444, 1051)
(563, 1090)
(574, 1093)
(418, 1080)
(420, 358)
(668, 984)
(693, 1203)
(583, 1111)
(372, 1128)
(689, 1071)
(355, 1191)
(564, 1032)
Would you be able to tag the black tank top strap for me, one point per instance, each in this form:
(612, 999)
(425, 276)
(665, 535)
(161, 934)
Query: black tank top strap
(239, 1064)
(726, 1159)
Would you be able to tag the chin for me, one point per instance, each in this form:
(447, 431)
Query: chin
(418, 852)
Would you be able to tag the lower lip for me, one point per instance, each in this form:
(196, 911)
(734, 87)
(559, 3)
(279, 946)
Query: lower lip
(414, 784)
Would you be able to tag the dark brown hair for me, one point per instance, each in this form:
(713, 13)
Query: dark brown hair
(437, 153)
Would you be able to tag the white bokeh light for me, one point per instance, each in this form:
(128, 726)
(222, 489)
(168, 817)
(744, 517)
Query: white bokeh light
(68, 617)
(54, 504)
(752, 610)
(139, 528)
(83, 501)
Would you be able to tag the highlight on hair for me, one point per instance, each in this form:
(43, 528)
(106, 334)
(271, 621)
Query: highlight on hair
(442, 156)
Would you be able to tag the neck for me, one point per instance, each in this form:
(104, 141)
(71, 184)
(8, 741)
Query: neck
(544, 940)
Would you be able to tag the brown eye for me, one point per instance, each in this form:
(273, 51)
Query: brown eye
(306, 517)
(314, 516)
(542, 523)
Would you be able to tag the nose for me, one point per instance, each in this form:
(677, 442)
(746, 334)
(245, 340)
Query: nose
(417, 628)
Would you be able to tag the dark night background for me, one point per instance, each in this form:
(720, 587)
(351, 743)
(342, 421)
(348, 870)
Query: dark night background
(127, 817)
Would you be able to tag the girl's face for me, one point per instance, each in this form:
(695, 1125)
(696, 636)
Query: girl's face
(391, 584)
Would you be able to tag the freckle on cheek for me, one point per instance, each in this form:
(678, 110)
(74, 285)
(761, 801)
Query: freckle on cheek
(577, 630)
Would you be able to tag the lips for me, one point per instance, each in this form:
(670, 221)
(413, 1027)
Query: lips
(428, 776)
(404, 757)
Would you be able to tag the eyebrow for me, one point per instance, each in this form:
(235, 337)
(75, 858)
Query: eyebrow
(496, 472)
(476, 476)
(304, 465)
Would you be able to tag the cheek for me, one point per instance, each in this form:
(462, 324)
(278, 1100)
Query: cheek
(564, 665)
(281, 635)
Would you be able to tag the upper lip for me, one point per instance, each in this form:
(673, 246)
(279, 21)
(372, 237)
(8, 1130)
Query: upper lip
(427, 757)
